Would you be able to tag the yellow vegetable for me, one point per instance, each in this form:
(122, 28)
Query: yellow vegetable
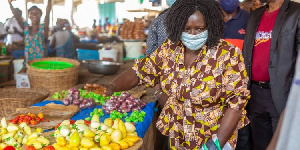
(37, 145)
(73, 148)
(104, 140)
(108, 122)
(2, 145)
(123, 144)
(12, 128)
(115, 146)
(22, 125)
(130, 127)
(39, 130)
(88, 133)
(95, 118)
(83, 148)
(116, 135)
(129, 142)
(109, 131)
(56, 146)
(133, 139)
(4, 122)
(116, 124)
(74, 139)
(95, 148)
(132, 134)
(97, 138)
(3, 131)
(87, 143)
(25, 139)
(122, 128)
(61, 141)
(33, 136)
(65, 123)
(43, 140)
(107, 147)
(27, 130)
(79, 122)
(63, 148)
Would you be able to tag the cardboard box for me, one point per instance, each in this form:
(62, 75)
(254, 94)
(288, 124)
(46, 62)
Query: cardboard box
(22, 80)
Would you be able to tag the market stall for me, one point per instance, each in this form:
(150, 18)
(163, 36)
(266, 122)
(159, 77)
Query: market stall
(142, 118)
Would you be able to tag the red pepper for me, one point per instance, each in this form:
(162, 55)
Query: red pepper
(72, 122)
(57, 126)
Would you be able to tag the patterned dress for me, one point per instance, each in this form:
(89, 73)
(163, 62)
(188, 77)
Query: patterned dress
(199, 95)
(35, 47)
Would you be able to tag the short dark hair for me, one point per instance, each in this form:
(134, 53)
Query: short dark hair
(181, 10)
(35, 7)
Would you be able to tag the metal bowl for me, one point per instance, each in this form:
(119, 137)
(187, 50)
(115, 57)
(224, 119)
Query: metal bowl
(102, 67)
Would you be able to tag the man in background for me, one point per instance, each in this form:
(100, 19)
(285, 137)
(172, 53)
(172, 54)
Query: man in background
(271, 45)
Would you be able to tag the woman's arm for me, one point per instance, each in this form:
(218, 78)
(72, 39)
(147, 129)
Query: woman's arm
(125, 81)
(228, 125)
(17, 15)
(46, 21)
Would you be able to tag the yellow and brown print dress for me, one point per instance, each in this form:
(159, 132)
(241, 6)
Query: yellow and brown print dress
(199, 95)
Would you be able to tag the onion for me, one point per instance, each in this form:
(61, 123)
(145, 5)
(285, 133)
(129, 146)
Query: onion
(122, 99)
(118, 104)
(80, 99)
(66, 101)
(85, 101)
(128, 101)
(82, 106)
(107, 111)
(130, 105)
(134, 108)
(124, 95)
(131, 98)
(134, 103)
(76, 102)
(88, 104)
(124, 107)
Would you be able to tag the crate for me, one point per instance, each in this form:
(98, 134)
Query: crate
(85, 54)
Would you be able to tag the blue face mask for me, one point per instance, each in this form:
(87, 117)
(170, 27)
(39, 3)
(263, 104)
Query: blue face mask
(229, 6)
(194, 42)
(171, 2)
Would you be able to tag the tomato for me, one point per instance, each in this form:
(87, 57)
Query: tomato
(30, 148)
(49, 148)
(9, 148)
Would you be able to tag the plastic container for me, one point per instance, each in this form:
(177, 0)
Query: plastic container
(108, 55)
(84, 54)
(4, 70)
(133, 49)
(18, 54)
(18, 65)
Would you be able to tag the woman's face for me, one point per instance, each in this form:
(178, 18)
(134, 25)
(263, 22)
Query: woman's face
(195, 24)
(35, 15)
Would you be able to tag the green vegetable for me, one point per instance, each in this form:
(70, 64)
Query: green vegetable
(136, 116)
(114, 115)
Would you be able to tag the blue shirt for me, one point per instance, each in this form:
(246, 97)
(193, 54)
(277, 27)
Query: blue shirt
(236, 27)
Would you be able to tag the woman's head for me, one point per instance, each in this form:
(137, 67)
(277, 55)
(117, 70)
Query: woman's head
(194, 17)
(35, 14)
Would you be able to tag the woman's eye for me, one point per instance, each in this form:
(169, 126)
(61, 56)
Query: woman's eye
(186, 29)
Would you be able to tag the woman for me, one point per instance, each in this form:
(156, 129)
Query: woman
(36, 35)
(203, 76)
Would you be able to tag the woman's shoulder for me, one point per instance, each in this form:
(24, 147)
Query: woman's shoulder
(226, 46)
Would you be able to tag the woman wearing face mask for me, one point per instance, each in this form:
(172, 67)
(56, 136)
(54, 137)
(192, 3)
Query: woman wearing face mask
(203, 76)
(36, 34)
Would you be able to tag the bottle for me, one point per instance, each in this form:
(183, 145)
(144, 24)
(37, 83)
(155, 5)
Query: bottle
(3, 50)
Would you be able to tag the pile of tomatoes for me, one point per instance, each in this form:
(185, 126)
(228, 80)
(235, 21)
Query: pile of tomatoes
(30, 118)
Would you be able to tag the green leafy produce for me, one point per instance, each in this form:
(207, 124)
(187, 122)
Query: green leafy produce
(136, 116)
(96, 111)
(114, 115)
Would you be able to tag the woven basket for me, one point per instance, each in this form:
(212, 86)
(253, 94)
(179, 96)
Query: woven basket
(53, 80)
(12, 98)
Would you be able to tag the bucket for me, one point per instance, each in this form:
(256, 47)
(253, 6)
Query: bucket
(18, 65)
(4, 70)
(133, 49)
(108, 55)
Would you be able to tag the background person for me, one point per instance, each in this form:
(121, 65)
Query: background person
(13, 29)
(36, 34)
(270, 51)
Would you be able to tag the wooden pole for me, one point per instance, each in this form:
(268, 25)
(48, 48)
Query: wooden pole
(26, 10)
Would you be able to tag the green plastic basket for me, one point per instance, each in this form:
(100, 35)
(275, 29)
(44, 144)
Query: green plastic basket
(52, 65)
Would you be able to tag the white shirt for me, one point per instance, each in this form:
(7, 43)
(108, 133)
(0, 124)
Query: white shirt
(13, 36)
(61, 37)
(2, 30)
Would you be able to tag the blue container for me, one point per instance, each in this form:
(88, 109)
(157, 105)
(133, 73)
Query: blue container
(85, 54)
(17, 54)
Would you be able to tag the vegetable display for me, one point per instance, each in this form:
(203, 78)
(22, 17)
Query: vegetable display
(114, 115)
(97, 112)
(74, 98)
(136, 116)
(18, 135)
(110, 135)
(123, 103)
(30, 118)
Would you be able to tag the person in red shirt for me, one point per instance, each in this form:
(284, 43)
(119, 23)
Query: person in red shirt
(270, 49)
